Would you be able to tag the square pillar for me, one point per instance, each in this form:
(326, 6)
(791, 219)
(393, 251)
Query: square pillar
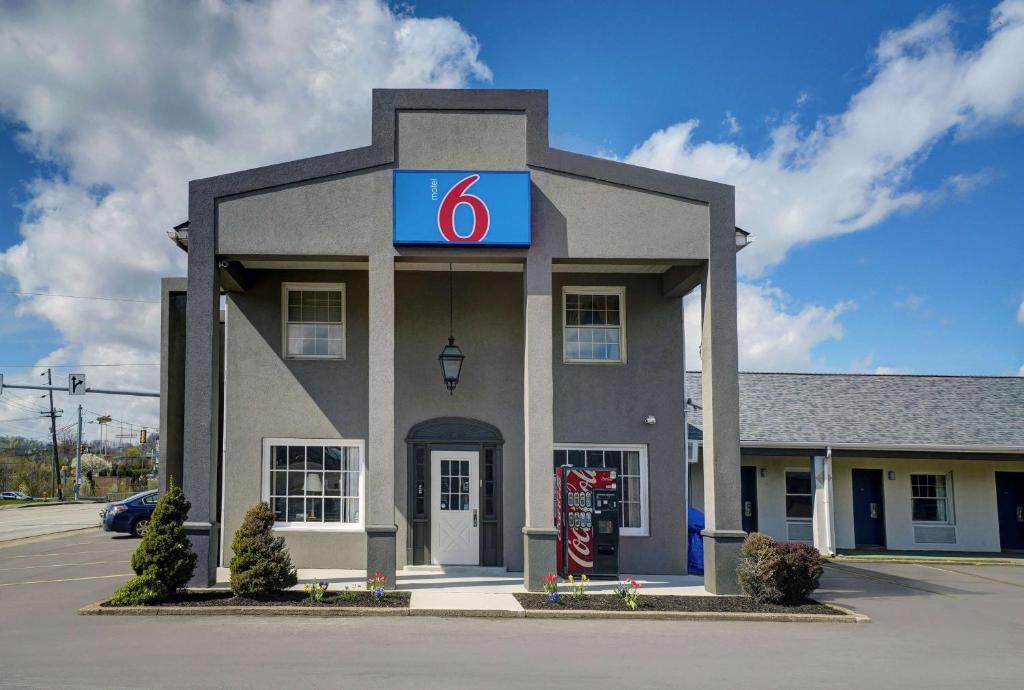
(538, 418)
(823, 515)
(723, 533)
(201, 443)
(381, 529)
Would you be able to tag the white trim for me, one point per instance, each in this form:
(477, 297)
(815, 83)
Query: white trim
(644, 530)
(810, 472)
(312, 526)
(313, 287)
(619, 290)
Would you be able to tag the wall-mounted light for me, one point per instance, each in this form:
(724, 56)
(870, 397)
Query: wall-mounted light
(892, 475)
(649, 420)
(764, 472)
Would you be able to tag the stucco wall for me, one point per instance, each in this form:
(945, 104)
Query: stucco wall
(267, 396)
(973, 488)
(607, 403)
(489, 329)
(452, 140)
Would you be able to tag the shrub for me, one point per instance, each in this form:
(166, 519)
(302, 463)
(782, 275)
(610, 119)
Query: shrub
(771, 572)
(141, 590)
(165, 551)
(260, 564)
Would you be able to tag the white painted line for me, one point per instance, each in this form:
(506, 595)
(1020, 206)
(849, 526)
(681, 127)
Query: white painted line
(69, 579)
(60, 565)
(64, 553)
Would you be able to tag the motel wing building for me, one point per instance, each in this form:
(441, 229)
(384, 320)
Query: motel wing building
(316, 385)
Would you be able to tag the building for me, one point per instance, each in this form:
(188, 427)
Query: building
(906, 463)
(559, 276)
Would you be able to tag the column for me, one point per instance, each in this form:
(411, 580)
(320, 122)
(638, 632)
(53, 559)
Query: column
(380, 442)
(723, 533)
(538, 417)
(200, 449)
(823, 518)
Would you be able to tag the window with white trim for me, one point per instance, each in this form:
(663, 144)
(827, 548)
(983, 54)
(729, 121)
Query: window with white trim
(594, 324)
(313, 483)
(630, 464)
(929, 498)
(799, 498)
(314, 320)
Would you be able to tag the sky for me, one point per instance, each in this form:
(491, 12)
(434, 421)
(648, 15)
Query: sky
(877, 151)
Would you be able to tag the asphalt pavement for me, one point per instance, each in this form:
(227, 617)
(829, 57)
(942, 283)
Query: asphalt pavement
(933, 627)
(34, 521)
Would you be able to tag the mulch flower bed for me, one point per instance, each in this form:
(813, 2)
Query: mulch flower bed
(349, 599)
(700, 604)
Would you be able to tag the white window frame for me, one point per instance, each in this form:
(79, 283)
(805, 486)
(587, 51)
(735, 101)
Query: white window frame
(786, 494)
(644, 530)
(318, 526)
(950, 510)
(620, 291)
(313, 287)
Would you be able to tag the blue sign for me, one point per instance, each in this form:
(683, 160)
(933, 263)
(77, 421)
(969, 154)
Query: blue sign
(462, 207)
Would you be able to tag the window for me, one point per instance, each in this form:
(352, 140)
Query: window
(929, 498)
(799, 499)
(630, 462)
(314, 320)
(594, 324)
(312, 483)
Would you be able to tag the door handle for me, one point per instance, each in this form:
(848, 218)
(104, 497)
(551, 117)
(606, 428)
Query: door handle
(474, 517)
(1020, 513)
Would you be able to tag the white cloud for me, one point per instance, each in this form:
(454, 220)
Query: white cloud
(852, 170)
(134, 99)
(773, 334)
(1020, 313)
(731, 124)
(864, 366)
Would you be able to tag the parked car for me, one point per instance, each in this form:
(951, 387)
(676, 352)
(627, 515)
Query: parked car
(130, 515)
(15, 496)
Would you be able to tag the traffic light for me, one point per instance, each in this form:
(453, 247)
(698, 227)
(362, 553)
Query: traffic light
(142, 437)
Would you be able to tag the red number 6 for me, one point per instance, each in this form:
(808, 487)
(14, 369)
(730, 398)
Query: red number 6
(446, 213)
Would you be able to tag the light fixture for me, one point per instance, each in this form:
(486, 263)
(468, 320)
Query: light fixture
(650, 420)
(892, 475)
(451, 356)
(764, 472)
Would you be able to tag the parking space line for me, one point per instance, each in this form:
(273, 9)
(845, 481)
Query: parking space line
(59, 565)
(63, 553)
(882, 578)
(67, 579)
(961, 572)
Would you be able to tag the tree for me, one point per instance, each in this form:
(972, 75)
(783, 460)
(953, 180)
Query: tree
(165, 551)
(261, 564)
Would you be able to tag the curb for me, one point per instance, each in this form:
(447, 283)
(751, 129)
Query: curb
(96, 609)
(928, 561)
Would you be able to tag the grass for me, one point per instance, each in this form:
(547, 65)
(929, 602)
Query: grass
(11, 502)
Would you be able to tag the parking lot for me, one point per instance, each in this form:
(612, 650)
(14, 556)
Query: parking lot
(933, 627)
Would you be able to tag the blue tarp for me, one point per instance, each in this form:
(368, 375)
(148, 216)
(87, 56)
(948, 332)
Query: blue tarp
(695, 552)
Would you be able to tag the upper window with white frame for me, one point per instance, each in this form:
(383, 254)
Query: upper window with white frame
(799, 496)
(314, 483)
(314, 320)
(929, 498)
(630, 464)
(594, 324)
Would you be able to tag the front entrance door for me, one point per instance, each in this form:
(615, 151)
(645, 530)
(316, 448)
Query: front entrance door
(748, 494)
(1010, 499)
(454, 493)
(868, 508)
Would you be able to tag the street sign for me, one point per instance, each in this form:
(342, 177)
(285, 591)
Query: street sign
(462, 208)
(76, 384)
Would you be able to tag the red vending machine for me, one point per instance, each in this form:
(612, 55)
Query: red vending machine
(586, 522)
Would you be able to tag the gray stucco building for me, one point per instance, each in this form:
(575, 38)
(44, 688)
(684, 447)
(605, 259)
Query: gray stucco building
(313, 383)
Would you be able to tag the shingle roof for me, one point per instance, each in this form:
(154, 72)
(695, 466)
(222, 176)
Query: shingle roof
(885, 410)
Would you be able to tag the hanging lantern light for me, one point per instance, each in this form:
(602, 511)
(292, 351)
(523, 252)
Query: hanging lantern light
(451, 356)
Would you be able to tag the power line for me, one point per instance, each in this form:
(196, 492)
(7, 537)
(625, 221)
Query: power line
(104, 299)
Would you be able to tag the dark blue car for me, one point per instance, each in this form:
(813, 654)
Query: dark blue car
(130, 515)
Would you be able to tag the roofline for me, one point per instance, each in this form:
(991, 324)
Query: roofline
(818, 445)
(865, 374)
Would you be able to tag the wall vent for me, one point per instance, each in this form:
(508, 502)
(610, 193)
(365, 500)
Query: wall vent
(799, 531)
(934, 534)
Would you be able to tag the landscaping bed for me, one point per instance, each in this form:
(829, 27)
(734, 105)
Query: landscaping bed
(350, 599)
(670, 603)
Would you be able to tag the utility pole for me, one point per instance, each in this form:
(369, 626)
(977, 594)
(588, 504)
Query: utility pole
(78, 457)
(58, 490)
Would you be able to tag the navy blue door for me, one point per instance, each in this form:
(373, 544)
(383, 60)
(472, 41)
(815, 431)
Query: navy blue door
(868, 515)
(748, 494)
(1010, 499)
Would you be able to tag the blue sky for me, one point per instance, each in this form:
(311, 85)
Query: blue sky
(95, 151)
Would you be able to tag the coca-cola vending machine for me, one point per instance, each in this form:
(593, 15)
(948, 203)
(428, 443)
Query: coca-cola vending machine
(586, 522)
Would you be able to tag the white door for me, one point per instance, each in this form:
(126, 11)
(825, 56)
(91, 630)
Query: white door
(454, 520)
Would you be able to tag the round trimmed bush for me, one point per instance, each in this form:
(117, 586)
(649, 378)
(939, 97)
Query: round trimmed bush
(772, 572)
(141, 590)
(261, 564)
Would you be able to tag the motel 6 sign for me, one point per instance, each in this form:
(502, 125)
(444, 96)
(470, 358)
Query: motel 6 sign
(462, 207)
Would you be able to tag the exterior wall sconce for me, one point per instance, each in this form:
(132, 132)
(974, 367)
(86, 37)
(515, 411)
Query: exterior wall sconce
(764, 472)
(649, 420)
(892, 475)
